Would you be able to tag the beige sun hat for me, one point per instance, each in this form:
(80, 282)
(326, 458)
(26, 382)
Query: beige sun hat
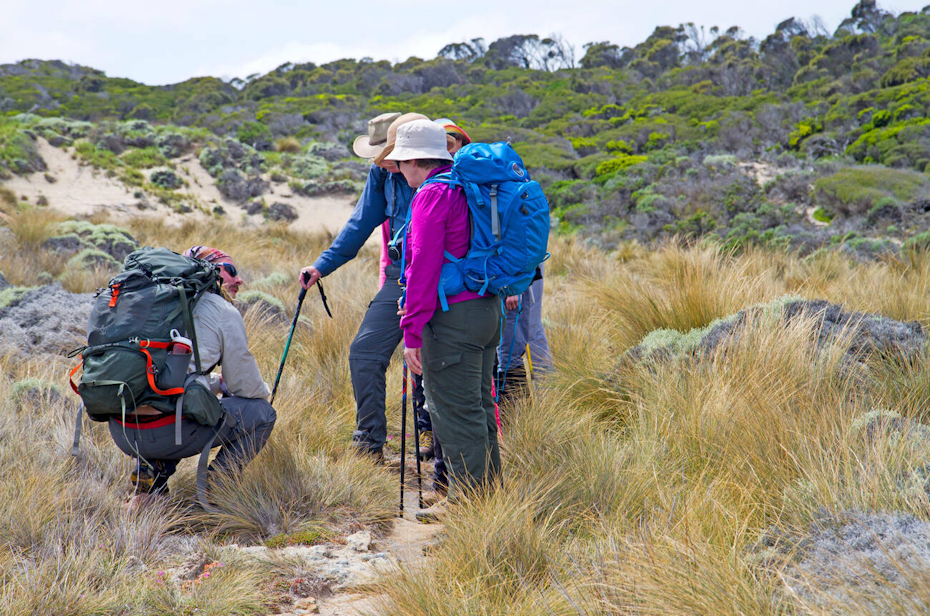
(370, 145)
(392, 134)
(420, 139)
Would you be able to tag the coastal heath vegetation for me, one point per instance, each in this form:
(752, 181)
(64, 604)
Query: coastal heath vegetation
(798, 140)
(688, 484)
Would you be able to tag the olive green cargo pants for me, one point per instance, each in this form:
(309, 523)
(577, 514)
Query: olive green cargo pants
(459, 348)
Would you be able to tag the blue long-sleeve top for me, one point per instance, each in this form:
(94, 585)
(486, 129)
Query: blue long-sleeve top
(386, 197)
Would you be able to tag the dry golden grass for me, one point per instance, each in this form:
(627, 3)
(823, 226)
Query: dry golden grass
(649, 492)
(58, 512)
(646, 490)
(287, 144)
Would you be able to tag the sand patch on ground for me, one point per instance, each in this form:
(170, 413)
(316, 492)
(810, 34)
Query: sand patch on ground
(80, 190)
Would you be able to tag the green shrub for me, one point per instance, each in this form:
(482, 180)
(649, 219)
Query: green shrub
(144, 158)
(618, 163)
(308, 167)
(34, 388)
(822, 215)
(132, 177)
(719, 160)
(167, 179)
(251, 295)
(657, 140)
(313, 536)
(253, 132)
(919, 242)
(881, 118)
(854, 190)
(96, 157)
(275, 279)
(907, 70)
(10, 295)
(802, 131)
(547, 155)
(90, 258)
(18, 153)
(103, 237)
(619, 146)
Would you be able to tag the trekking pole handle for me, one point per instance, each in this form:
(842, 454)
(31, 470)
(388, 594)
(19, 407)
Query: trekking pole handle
(303, 292)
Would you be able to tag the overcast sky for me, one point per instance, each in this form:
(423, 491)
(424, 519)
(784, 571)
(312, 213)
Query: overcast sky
(167, 41)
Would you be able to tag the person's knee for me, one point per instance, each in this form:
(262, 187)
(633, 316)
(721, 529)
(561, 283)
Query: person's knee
(356, 349)
(253, 414)
(267, 414)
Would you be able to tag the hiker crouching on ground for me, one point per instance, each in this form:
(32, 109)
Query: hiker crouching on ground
(247, 417)
(454, 350)
(383, 202)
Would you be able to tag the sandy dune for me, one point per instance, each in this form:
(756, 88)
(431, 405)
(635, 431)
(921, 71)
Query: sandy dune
(80, 191)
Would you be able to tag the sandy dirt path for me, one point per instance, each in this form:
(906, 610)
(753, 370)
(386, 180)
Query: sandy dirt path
(79, 190)
(406, 543)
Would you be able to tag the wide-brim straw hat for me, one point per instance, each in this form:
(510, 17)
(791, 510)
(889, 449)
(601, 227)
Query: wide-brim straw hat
(392, 134)
(372, 144)
(418, 140)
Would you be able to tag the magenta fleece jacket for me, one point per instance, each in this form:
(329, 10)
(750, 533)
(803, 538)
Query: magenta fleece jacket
(438, 223)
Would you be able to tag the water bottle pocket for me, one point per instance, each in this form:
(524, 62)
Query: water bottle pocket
(177, 360)
(174, 371)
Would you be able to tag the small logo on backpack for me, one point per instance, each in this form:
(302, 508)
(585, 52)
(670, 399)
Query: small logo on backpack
(517, 170)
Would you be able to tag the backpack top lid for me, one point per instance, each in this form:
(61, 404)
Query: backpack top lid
(489, 163)
(163, 263)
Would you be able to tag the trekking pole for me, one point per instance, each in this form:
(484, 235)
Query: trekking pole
(287, 347)
(416, 440)
(531, 376)
(403, 437)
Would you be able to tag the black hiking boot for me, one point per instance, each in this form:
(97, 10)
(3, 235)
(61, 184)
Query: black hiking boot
(375, 455)
(150, 478)
(514, 385)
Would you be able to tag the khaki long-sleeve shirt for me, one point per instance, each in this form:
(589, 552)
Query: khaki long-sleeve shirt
(222, 341)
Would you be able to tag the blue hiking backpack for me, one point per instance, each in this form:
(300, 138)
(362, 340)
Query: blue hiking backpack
(509, 223)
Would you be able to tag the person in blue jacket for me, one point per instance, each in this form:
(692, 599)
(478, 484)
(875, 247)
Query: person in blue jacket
(384, 201)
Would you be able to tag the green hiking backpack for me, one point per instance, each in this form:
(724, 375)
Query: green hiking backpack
(129, 332)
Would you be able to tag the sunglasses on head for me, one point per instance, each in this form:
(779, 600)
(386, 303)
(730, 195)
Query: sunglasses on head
(230, 269)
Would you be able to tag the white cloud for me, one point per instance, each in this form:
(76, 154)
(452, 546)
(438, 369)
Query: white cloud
(423, 43)
(170, 40)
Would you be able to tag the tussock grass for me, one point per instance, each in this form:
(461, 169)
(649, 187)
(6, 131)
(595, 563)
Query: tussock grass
(655, 491)
(680, 486)
(58, 511)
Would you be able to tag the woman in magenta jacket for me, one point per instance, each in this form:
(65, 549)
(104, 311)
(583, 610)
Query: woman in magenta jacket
(454, 350)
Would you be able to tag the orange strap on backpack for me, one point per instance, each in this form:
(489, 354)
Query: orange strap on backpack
(145, 345)
(71, 376)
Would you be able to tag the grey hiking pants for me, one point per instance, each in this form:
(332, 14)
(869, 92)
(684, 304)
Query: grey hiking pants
(369, 356)
(459, 348)
(524, 328)
(242, 435)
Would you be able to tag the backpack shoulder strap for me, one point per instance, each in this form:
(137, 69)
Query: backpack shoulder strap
(442, 178)
(187, 309)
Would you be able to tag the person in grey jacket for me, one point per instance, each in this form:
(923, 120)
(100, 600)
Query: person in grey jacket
(383, 203)
(247, 417)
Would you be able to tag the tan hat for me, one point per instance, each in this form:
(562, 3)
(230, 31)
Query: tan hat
(420, 139)
(392, 134)
(370, 145)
